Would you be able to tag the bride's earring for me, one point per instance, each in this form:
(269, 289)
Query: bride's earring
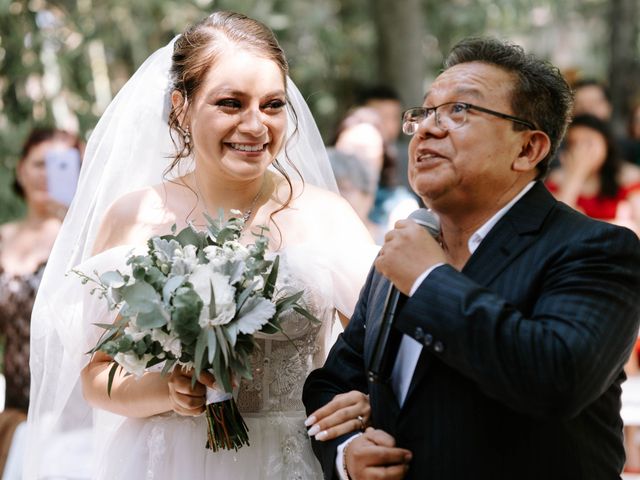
(186, 139)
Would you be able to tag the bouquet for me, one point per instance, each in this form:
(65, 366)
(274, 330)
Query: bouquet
(196, 299)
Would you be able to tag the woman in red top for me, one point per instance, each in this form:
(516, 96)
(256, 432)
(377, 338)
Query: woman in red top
(592, 177)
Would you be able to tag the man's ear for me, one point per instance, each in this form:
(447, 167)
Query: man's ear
(535, 147)
(179, 103)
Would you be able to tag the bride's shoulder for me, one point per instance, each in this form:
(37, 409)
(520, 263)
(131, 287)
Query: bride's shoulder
(327, 211)
(132, 218)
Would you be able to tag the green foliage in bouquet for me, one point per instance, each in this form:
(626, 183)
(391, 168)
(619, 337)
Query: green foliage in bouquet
(196, 299)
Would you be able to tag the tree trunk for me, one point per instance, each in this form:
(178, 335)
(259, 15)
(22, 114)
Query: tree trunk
(624, 69)
(400, 26)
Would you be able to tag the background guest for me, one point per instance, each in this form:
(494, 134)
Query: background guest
(593, 178)
(631, 144)
(592, 97)
(25, 245)
(360, 134)
(354, 182)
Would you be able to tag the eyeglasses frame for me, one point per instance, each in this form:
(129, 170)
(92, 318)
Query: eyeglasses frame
(469, 106)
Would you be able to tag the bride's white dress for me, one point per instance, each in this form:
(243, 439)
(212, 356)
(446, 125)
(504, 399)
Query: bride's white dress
(170, 446)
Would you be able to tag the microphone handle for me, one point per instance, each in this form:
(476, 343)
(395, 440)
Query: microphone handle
(380, 365)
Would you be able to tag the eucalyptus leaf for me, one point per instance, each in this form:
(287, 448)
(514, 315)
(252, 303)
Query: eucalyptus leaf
(140, 297)
(187, 306)
(189, 236)
(172, 284)
(113, 279)
(156, 318)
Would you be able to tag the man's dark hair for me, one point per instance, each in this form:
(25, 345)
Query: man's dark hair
(541, 95)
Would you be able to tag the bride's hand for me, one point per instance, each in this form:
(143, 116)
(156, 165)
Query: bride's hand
(184, 399)
(347, 412)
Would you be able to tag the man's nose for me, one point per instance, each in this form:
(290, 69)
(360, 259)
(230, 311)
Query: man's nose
(430, 125)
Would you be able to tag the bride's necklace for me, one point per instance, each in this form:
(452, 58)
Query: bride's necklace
(245, 215)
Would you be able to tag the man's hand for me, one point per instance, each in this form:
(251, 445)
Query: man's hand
(407, 252)
(374, 455)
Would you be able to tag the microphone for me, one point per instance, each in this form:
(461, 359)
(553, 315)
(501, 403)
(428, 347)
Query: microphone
(381, 363)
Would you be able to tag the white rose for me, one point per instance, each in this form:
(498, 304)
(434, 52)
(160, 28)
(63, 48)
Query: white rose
(135, 333)
(132, 364)
(169, 343)
(185, 260)
(202, 279)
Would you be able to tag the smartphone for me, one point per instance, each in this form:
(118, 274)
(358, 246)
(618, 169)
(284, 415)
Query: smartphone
(63, 170)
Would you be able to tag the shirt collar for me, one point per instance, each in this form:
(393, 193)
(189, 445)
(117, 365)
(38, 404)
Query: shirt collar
(481, 233)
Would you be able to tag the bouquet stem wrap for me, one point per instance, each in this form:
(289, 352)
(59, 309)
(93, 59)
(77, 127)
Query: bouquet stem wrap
(226, 427)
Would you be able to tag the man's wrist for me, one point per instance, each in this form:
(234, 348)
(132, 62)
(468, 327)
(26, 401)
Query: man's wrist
(341, 458)
(345, 470)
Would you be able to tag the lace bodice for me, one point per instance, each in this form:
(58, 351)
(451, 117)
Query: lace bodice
(281, 363)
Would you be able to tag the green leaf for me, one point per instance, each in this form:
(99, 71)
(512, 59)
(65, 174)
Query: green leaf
(112, 374)
(222, 344)
(168, 366)
(156, 318)
(270, 282)
(187, 306)
(140, 297)
(285, 303)
(305, 313)
(201, 346)
(244, 295)
(190, 236)
(113, 279)
(212, 344)
(172, 284)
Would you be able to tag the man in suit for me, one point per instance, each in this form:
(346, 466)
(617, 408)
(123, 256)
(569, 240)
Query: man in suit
(514, 325)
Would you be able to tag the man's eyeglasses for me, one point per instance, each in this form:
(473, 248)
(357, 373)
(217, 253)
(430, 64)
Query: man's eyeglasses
(449, 116)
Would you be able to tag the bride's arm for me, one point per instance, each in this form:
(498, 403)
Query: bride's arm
(144, 396)
(131, 396)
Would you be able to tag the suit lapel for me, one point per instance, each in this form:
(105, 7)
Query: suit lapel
(505, 241)
(510, 236)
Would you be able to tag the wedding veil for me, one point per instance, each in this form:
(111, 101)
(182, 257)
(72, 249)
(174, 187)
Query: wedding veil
(129, 149)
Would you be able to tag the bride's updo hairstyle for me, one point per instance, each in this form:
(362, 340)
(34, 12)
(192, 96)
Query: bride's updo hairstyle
(197, 50)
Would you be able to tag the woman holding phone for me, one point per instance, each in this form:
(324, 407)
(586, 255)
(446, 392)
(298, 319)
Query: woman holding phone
(25, 245)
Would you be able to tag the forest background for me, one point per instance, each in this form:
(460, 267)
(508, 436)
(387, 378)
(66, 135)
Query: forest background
(61, 62)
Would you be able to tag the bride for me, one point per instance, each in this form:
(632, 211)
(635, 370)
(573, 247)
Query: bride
(219, 97)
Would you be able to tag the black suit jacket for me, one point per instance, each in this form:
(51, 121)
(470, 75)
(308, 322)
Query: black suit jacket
(523, 353)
